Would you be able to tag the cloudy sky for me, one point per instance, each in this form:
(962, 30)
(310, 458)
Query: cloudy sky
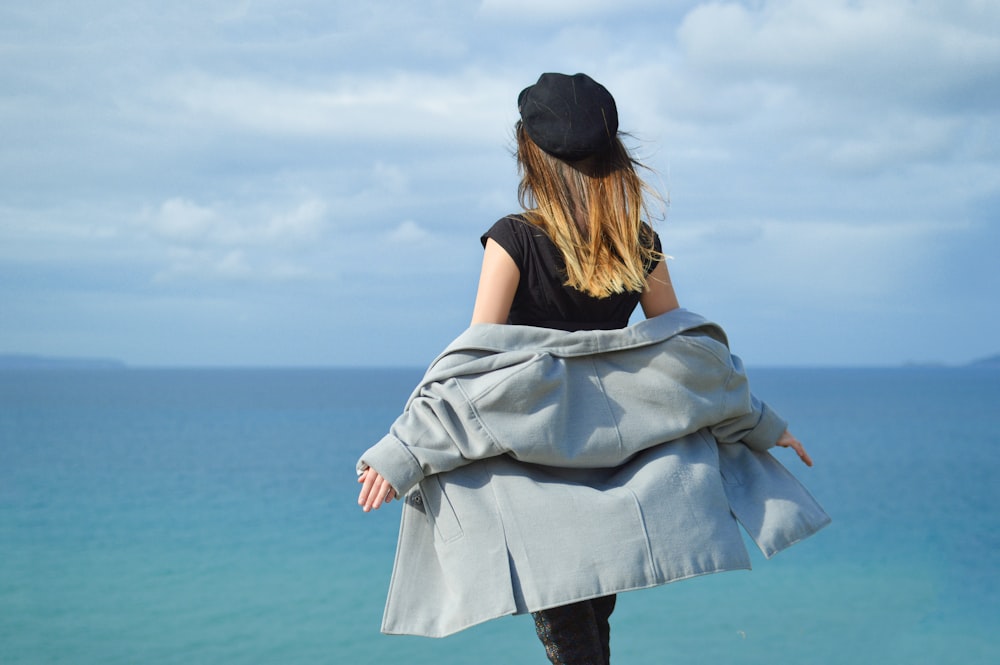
(304, 183)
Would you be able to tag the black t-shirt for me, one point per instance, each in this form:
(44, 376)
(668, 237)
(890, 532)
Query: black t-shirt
(542, 299)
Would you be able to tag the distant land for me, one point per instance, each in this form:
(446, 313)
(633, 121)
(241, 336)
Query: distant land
(992, 361)
(26, 361)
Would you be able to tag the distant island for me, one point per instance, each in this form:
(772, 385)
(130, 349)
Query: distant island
(991, 361)
(10, 361)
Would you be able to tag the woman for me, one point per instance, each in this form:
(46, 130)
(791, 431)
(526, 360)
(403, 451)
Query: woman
(586, 258)
(579, 258)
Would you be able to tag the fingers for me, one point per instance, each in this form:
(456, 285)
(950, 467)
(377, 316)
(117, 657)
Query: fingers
(387, 493)
(375, 490)
(787, 440)
(381, 493)
(803, 455)
(799, 449)
(367, 480)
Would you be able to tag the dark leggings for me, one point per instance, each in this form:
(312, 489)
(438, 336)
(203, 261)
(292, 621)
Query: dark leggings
(578, 633)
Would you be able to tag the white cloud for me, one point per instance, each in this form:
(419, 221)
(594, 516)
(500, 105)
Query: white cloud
(186, 223)
(798, 97)
(807, 264)
(408, 233)
(303, 223)
(205, 265)
(403, 107)
(233, 265)
(237, 242)
(567, 10)
(20, 225)
(183, 221)
(890, 49)
(897, 139)
(390, 179)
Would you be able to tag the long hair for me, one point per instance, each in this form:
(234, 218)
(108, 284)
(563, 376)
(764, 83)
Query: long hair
(593, 211)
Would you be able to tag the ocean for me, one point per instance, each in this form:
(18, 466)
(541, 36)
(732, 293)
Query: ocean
(191, 516)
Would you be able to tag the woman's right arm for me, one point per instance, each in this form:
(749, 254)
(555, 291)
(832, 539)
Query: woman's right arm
(659, 297)
(497, 285)
(375, 490)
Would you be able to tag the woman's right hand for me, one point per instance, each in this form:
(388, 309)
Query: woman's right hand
(375, 490)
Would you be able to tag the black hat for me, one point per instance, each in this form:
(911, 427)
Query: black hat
(569, 117)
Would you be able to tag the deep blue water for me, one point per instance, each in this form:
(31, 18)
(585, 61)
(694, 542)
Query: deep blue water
(208, 516)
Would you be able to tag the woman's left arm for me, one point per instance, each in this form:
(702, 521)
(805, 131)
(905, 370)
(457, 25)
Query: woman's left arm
(659, 296)
(787, 440)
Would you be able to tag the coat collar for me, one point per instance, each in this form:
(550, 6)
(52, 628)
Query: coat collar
(496, 338)
(486, 347)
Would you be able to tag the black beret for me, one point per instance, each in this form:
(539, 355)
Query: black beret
(569, 117)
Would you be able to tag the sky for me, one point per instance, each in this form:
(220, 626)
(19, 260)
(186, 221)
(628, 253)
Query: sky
(282, 183)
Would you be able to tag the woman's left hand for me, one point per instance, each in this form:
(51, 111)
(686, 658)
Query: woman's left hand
(786, 440)
(375, 490)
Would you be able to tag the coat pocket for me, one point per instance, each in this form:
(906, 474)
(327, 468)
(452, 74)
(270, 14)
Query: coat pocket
(732, 474)
(438, 509)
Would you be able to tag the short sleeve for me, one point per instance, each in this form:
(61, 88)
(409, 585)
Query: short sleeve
(509, 234)
(647, 232)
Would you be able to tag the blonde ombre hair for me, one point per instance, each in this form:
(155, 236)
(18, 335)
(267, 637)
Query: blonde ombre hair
(592, 210)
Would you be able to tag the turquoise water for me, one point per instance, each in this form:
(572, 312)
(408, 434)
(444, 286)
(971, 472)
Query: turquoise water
(208, 516)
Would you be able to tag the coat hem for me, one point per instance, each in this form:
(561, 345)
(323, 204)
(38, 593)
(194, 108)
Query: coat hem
(638, 587)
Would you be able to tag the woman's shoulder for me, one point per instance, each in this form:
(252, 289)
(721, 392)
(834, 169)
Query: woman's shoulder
(526, 243)
(512, 231)
(648, 235)
(513, 223)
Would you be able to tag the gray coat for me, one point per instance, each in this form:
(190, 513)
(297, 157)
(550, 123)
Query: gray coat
(541, 467)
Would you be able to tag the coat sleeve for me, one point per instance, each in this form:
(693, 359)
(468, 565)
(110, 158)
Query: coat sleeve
(438, 431)
(746, 419)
